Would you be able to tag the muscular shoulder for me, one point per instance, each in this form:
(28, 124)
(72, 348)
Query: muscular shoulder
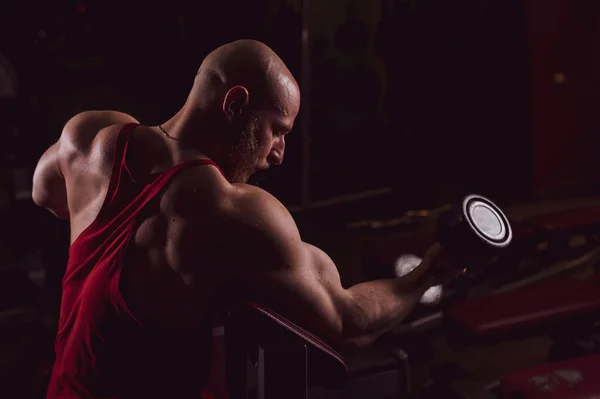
(81, 131)
(87, 139)
(252, 206)
(250, 220)
(241, 204)
(264, 226)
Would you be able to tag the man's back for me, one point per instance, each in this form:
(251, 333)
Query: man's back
(162, 329)
(156, 269)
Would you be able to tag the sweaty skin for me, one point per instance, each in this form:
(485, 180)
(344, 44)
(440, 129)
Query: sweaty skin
(213, 238)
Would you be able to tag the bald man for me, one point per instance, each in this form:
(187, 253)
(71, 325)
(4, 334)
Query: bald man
(165, 232)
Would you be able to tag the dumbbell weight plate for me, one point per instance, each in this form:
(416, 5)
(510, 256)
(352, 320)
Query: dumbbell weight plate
(487, 220)
(473, 231)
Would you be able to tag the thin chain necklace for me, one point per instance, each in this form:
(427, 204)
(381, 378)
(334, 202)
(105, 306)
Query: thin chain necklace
(167, 135)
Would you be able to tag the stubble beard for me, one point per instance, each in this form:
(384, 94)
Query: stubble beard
(243, 154)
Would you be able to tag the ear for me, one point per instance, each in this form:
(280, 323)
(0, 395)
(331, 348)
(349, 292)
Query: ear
(235, 100)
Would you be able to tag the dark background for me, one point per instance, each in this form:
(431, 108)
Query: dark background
(425, 99)
(394, 85)
(429, 97)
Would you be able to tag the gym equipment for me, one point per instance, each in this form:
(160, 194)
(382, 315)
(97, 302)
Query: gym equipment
(473, 231)
(470, 233)
(581, 340)
(531, 308)
(574, 378)
(289, 362)
(565, 308)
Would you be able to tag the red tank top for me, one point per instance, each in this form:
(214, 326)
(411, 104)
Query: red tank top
(102, 350)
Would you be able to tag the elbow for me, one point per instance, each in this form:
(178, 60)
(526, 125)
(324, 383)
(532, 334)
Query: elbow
(354, 343)
(345, 343)
(355, 332)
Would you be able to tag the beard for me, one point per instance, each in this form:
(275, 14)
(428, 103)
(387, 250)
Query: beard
(243, 152)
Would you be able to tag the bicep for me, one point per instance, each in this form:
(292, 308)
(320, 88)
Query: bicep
(313, 298)
(295, 278)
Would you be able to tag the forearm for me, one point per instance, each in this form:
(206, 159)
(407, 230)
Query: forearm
(380, 306)
(363, 312)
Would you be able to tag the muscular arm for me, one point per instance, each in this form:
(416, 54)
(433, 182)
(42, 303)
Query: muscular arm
(49, 189)
(304, 282)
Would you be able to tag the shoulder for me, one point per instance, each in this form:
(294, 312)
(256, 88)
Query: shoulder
(96, 120)
(251, 204)
(250, 220)
(82, 130)
(240, 203)
(262, 224)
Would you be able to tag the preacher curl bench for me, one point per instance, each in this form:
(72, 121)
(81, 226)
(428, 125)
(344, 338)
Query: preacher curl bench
(290, 362)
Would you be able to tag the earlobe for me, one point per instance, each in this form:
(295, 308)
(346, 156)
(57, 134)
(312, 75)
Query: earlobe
(236, 99)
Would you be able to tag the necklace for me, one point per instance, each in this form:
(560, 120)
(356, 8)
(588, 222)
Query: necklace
(167, 135)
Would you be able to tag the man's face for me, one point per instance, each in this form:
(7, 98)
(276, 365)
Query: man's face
(258, 141)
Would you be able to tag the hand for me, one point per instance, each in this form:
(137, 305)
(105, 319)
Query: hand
(427, 275)
(414, 272)
(440, 268)
(434, 269)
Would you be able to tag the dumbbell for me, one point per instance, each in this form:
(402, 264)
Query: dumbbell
(471, 233)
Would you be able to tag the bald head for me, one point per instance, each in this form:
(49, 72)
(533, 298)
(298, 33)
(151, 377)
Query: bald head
(249, 100)
(249, 64)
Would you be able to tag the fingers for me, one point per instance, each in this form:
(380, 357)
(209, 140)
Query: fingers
(433, 258)
(417, 273)
(432, 253)
(446, 271)
(442, 269)
(434, 269)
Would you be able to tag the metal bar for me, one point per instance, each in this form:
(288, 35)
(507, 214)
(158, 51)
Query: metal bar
(553, 271)
(427, 321)
(261, 387)
(405, 382)
(306, 111)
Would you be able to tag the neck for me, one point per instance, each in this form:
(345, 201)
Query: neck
(192, 129)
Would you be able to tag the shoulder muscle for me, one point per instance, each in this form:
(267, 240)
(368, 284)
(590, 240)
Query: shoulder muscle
(81, 130)
(266, 224)
(299, 279)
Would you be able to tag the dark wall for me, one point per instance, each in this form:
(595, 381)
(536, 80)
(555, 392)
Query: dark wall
(447, 113)
(564, 46)
(136, 57)
(429, 97)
